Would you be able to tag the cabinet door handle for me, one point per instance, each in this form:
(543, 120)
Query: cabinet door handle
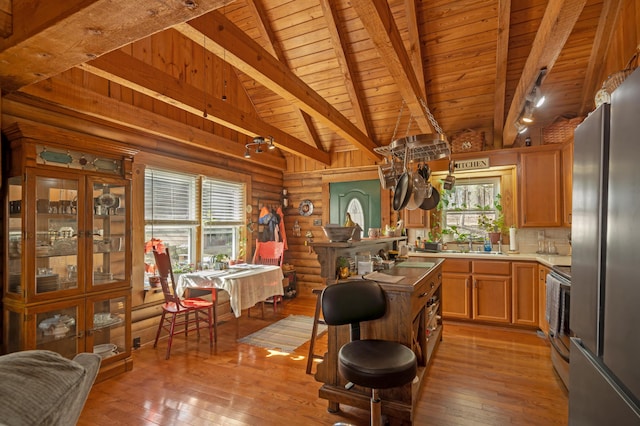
(466, 282)
(475, 283)
(425, 294)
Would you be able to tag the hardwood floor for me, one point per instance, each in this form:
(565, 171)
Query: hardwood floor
(480, 376)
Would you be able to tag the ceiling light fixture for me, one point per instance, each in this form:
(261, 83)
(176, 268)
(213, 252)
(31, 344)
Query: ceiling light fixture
(258, 142)
(527, 114)
(520, 127)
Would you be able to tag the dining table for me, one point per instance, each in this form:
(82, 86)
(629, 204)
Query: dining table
(247, 284)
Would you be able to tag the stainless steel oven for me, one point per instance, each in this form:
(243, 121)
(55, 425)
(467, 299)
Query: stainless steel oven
(559, 282)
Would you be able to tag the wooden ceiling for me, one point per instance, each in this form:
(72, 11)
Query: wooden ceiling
(320, 76)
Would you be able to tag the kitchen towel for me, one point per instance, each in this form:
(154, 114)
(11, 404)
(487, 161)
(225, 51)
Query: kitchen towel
(552, 311)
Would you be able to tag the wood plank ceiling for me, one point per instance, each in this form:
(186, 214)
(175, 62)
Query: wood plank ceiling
(320, 76)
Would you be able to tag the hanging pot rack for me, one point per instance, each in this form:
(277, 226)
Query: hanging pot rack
(421, 147)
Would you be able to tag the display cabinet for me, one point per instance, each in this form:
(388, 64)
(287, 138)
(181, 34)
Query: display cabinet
(67, 261)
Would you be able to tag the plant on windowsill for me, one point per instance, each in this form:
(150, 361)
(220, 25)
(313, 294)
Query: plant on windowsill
(494, 227)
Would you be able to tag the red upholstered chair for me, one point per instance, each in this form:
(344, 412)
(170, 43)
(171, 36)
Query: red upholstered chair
(269, 253)
(176, 310)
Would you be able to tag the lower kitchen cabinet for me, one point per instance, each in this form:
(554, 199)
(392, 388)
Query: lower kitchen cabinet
(456, 289)
(494, 291)
(542, 298)
(491, 291)
(524, 276)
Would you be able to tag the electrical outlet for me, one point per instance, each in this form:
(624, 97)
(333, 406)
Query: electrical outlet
(317, 222)
(136, 342)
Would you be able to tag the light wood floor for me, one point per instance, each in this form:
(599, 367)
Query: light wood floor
(480, 376)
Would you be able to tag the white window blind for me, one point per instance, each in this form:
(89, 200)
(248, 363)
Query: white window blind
(169, 196)
(222, 202)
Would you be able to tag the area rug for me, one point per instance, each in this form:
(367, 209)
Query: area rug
(285, 335)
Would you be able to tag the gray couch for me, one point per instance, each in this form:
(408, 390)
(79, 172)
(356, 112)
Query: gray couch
(43, 388)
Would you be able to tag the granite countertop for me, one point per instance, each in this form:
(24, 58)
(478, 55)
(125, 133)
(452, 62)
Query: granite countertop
(545, 259)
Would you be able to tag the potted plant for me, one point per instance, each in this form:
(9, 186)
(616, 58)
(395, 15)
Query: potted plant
(343, 267)
(493, 226)
(221, 261)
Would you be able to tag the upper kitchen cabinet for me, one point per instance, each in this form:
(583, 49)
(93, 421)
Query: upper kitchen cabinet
(540, 186)
(67, 255)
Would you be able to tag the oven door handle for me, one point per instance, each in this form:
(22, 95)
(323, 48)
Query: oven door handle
(558, 351)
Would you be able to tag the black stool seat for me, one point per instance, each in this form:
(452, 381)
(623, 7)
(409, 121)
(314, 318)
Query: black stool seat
(377, 364)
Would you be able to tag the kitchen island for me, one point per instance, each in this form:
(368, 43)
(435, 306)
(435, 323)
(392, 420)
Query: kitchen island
(413, 318)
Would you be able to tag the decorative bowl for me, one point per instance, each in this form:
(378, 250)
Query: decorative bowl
(337, 233)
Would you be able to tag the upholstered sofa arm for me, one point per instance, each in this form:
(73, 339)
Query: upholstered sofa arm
(43, 388)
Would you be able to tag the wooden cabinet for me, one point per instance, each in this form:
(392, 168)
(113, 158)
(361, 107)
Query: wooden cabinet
(416, 218)
(524, 279)
(413, 318)
(491, 291)
(540, 186)
(478, 290)
(456, 289)
(567, 182)
(68, 252)
(542, 298)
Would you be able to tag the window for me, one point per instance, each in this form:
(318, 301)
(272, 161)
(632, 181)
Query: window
(223, 219)
(198, 217)
(463, 205)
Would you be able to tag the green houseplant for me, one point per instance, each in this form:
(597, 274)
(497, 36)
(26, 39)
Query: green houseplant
(494, 227)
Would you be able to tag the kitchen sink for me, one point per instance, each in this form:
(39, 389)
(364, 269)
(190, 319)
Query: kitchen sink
(473, 252)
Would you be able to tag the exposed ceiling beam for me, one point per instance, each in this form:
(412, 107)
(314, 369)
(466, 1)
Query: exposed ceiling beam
(225, 40)
(557, 23)
(259, 12)
(415, 52)
(51, 37)
(602, 39)
(381, 27)
(502, 53)
(133, 73)
(122, 116)
(346, 67)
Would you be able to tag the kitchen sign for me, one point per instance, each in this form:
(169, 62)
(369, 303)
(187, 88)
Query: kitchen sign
(477, 163)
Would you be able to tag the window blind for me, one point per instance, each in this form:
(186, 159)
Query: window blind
(222, 202)
(169, 196)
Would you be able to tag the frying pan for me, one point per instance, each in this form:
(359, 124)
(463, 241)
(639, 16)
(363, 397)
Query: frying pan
(404, 186)
(419, 192)
(432, 201)
(403, 192)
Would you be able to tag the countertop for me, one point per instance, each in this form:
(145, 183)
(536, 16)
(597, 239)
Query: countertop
(545, 259)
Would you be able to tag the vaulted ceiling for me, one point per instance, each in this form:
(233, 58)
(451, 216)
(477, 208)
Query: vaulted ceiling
(319, 76)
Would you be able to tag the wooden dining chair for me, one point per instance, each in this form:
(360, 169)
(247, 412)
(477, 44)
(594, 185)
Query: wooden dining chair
(176, 310)
(269, 253)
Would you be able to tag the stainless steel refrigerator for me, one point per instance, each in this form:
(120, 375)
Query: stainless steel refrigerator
(604, 369)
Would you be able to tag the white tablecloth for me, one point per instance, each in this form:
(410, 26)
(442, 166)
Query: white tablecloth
(246, 284)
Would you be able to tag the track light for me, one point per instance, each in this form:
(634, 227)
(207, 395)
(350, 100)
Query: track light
(258, 141)
(520, 127)
(536, 97)
(527, 114)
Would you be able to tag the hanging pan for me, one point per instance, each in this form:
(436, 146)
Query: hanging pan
(432, 201)
(404, 186)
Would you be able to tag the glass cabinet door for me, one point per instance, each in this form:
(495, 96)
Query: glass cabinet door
(14, 241)
(57, 234)
(107, 333)
(109, 263)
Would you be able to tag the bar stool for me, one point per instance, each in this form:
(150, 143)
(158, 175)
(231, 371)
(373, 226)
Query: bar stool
(314, 332)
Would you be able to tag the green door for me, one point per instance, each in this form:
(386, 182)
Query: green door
(361, 198)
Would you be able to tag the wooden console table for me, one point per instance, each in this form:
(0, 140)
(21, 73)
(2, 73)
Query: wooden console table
(413, 318)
